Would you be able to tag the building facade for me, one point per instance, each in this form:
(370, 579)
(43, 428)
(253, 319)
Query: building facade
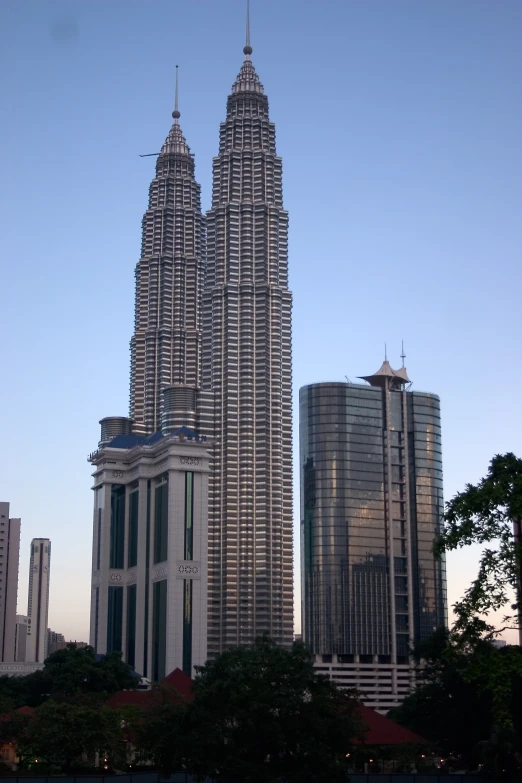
(9, 562)
(149, 570)
(247, 375)
(166, 344)
(20, 638)
(371, 506)
(149, 564)
(38, 600)
(55, 641)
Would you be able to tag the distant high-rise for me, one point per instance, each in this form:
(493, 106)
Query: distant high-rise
(371, 506)
(166, 345)
(38, 601)
(247, 370)
(55, 641)
(21, 637)
(9, 560)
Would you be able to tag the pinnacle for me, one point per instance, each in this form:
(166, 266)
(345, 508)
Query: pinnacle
(175, 141)
(247, 79)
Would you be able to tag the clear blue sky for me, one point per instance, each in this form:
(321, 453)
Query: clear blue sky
(399, 123)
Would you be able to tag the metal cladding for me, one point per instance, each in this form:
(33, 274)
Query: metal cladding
(247, 376)
(112, 426)
(165, 347)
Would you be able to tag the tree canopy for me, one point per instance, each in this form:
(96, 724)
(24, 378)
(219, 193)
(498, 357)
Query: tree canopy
(468, 702)
(262, 713)
(488, 513)
(74, 674)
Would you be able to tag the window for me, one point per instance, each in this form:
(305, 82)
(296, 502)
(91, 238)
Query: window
(161, 523)
(159, 629)
(187, 627)
(132, 555)
(117, 526)
(189, 515)
(131, 625)
(115, 619)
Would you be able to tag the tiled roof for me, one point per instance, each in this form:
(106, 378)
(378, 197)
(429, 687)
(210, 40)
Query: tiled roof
(383, 731)
(178, 681)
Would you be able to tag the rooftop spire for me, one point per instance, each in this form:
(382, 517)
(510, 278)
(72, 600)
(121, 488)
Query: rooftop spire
(176, 113)
(247, 50)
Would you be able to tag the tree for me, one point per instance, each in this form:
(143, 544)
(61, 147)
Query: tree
(469, 701)
(61, 734)
(447, 708)
(76, 670)
(75, 674)
(488, 513)
(262, 713)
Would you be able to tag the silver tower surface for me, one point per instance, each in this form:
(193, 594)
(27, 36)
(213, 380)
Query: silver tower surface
(247, 367)
(165, 347)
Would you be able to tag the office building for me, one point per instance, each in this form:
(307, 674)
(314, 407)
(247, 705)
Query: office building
(166, 345)
(371, 506)
(21, 638)
(38, 601)
(149, 570)
(55, 641)
(247, 373)
(9, 560)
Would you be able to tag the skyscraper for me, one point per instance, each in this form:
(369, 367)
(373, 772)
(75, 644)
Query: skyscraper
(38, 601)
(149, 560)
(371, 506)
(9, 560)
(247, 372)
(166, 345)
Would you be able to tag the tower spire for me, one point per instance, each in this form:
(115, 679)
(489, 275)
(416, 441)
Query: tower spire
(247, 50)
(403, 355)
(176, 113)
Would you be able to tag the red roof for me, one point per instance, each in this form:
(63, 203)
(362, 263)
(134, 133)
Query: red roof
(383, 731)
(177, 681)
(30, 711)
(180, 681)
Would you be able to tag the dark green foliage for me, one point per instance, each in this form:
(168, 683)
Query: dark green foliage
(62, 735)
(469, 696)
(485, 514)
(72, 674)
(263, 714)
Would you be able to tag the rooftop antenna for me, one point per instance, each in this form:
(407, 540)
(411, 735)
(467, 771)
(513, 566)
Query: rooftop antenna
(175, 114)
(385, 353)
(403, 355)
(247, 51)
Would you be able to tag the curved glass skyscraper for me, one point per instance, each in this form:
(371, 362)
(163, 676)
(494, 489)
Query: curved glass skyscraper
(371, 505)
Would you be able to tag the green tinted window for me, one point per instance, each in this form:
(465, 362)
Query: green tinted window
(117, 526)
(115, 619)
(161, 515)
(133, 529)
(159, 629)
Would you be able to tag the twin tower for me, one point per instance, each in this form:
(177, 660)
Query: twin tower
(210, 412)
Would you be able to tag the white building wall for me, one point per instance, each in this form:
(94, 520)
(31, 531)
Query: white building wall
(174, 456)
(38, 602)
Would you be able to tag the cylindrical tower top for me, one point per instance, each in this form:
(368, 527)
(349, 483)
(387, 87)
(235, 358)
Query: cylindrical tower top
(112, 426)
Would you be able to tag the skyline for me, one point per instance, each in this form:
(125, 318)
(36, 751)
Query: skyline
(448, 164)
